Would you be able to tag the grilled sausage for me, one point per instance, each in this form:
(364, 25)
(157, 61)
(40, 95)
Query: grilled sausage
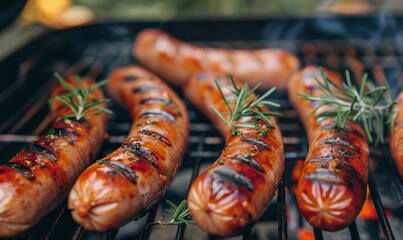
(234, 192)
(395, 138)
(40, 176)
(176, 61)
(131, 179)
(332, 186)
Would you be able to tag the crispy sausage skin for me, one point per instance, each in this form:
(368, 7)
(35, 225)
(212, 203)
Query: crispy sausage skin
(332, 186)
(396, 137)
(176, 61)
(39, 177)
(131, 179)
(235, 191)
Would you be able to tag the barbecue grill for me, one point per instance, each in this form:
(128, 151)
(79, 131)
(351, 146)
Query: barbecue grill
(341, 43)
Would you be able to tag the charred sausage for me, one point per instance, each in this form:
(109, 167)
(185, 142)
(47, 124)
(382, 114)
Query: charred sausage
(40, 176)
(332, 186)
(395, 138)
(162, 53)
(131, 179)
(234, 192)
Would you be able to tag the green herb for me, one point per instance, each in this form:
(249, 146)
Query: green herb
(180, 215)
(373, 106)
(244, 106)
(77, 99)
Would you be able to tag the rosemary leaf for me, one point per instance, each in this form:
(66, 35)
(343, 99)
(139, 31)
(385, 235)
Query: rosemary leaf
(243, 106)
(180, 215)
(374, 106)
(76, 99)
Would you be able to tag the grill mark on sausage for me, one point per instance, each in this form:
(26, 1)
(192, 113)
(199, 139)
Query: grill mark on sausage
(340, 142)
(202, 76)
(24, 170)
(147, 88)
(311, 74)
(250, 161)
(158, 113)
(142, 153)
(68, 134)
(128, 78)
(228, 174)
(320, 159)
(326, 177)
(123, 169)
(256, 142)
(157, 100)
(353, 131)
(51, 155)
(345, 153)
(156, 135)
(346, 130)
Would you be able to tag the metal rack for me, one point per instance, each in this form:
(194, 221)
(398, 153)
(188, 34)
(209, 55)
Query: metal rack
(97, 58)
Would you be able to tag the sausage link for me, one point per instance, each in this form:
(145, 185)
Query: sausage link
(40, 176)
(396, 137)
(176, 61)
(235, 191)
(332, 186)
(131, 179)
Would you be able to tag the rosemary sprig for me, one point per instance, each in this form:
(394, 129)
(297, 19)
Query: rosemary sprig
(77, 99)
(244, 106)
(371, 105)
(180, 215)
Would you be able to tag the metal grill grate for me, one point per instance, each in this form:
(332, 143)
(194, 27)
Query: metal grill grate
(97, 58)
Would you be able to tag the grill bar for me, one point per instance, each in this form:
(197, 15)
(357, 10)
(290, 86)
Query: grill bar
(354, 231)
(150, 218)
(380, 210)
(318, 234)
(282, 218)
(204, 143)
(180, 233)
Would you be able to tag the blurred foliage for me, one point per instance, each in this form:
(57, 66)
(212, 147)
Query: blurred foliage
(122, 9)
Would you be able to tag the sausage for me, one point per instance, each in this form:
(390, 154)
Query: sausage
(231, 194)
(176, 61)
(131, 179)
(395, 138)
(332, 186)
(40, 176)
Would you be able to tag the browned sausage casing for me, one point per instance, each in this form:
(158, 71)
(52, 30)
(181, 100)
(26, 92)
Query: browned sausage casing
(39, 177)
(235, 191)
(176, 61)
(396, 138)
(332, 186)
(132, 178)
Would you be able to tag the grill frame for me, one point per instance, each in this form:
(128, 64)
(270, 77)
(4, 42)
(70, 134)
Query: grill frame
(30, 63)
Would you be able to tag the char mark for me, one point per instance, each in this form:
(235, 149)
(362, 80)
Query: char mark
(156, 135)
(128, 78)
(147, 88)
(123, 169)
(251, 162)
(341, 142)
(142, 153)
(24, 170)
(158, 113)
(228, 174)
(51, 155)
(311, 74)
(326, 177)
(202, 76)
(256, 142)
(320, 159)
(156, 100)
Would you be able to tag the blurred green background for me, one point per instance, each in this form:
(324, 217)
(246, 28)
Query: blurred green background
(200, 8)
